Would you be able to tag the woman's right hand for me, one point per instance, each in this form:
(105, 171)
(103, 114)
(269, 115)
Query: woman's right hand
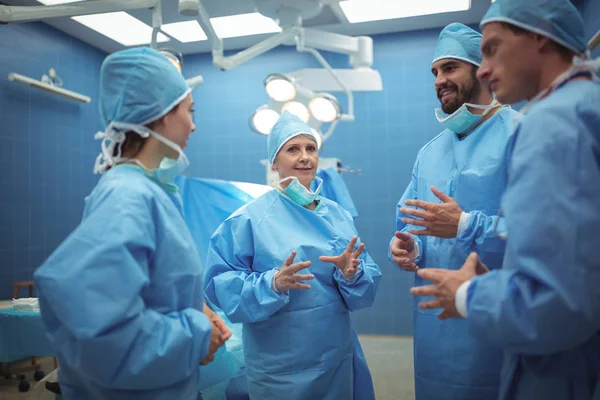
(287, 278)
(216, 341)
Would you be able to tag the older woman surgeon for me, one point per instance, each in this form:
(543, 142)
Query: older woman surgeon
(122, 297)
(288, 267)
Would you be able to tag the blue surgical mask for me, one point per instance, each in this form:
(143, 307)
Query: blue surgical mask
(462, 120)
(298, 193)
(168, 168)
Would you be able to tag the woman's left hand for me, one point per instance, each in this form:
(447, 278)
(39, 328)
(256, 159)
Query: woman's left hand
(348, 261)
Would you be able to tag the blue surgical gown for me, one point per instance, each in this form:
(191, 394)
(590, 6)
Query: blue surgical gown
(543, 306)
(299, 344)
(121, 297)
(450, 363)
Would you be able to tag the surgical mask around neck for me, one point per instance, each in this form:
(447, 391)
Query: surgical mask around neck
(115, 136)
(297, 192)
(581, 66)
(462, 120)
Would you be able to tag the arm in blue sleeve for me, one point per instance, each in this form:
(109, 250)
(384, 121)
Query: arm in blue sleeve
(359, 292)
(229, 281)
(90, 296)
(410, 193)
(479, 235)
(546, 298)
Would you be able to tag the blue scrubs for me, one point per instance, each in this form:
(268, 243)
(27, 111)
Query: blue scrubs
(299, 344)
(450, 363)
(121, 297)
(543, 306)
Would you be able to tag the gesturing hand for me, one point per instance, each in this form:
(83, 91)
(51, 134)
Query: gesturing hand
(347, 262)
(439, 220)
(287, 278)
(403, 251)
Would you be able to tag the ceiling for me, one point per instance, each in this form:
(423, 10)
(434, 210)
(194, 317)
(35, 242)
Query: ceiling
(330, 19)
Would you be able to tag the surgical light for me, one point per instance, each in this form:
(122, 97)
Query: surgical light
(263, 119)
(298, 109)
(175, 57)
(280, 87)
(325, 107)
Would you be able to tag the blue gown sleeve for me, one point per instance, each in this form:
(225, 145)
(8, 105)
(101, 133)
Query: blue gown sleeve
(230, 283)
(92, 285)
(479, 235)
(411, 193)
(359, 292)
(546, 298)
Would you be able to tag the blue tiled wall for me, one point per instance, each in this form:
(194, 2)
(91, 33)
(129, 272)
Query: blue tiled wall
(46, 146)
(390, 128)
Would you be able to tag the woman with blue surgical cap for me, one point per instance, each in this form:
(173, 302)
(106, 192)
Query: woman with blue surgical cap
(288, 267)
(122, 296)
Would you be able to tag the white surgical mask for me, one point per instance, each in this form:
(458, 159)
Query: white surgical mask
(115, 136)
(297, 192)
(462, 120)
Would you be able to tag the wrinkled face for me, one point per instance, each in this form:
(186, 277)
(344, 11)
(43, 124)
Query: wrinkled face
(455, 83)
(178, 125)
(298, 157)
(511, 63)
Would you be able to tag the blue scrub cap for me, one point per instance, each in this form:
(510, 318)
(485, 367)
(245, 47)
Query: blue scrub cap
(139, 86)
(287, 126)
(460, 42)
(558, 20)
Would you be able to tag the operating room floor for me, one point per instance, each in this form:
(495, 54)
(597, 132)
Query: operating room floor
(390, 360)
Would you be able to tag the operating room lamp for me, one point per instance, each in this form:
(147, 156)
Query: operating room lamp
(289, 14)
(320, 107)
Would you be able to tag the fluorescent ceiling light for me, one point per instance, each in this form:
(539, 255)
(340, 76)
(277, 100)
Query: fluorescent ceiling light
(54, 2)
(243, 25)
(375, 10)
(185, 32)
(120, 27)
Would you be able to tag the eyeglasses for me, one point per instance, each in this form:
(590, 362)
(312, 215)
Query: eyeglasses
(500, 226)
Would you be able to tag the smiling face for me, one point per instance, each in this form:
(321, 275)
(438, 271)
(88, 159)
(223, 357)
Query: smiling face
(455, 83)
(298, 157)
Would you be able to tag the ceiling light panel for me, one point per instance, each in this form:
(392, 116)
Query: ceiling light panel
(376, 10)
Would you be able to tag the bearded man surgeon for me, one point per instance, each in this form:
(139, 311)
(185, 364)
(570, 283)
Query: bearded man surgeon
(448, 210)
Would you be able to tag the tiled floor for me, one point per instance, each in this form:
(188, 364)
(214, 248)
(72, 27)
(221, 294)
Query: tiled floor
(390, 361)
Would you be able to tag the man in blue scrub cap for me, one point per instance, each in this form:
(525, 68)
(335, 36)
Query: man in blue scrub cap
(122, 297)
(449, 210)
(543, 306)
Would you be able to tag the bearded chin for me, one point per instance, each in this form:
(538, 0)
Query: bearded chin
(453, 105)
(464, 95)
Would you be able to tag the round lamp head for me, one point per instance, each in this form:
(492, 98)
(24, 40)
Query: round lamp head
(325, 108)
(280, 87)
(263, 120)
(174, 56)
(298, 109)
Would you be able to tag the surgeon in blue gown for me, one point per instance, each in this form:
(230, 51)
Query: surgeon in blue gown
(288, 267)
(543, 306)
(122, 297)
(449, 209)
